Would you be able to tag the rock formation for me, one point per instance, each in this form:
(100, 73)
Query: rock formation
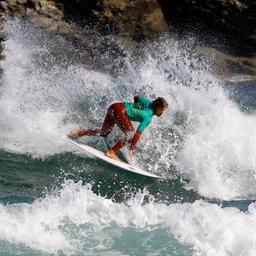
(136, 20)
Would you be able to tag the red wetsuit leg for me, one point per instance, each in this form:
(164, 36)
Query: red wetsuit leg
(124, 123)
(108, 124)
(109, 121)
(83, 132)
(116, 114)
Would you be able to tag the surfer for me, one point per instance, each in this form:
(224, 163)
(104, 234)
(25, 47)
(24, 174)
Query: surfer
(121, 114)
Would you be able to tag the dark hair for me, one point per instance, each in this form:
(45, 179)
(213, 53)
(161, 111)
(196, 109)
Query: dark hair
(160, 102)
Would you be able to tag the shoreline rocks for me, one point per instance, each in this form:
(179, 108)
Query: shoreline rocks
(135, 21)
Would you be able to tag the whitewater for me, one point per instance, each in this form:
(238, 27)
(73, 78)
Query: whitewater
(56, 201)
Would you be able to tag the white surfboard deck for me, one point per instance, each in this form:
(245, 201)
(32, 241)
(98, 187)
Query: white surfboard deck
(117, 163)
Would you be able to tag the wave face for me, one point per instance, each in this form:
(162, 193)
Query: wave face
(203, 146)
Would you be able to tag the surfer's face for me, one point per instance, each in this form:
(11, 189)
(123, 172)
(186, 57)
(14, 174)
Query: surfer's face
(159, 111)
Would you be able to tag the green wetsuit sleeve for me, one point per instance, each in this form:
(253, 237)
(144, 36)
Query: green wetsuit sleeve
(144, 124)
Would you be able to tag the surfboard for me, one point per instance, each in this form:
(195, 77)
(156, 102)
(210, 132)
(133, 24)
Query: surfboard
(122, 165)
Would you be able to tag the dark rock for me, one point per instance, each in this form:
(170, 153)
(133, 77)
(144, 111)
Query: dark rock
(3, 6)
(229, 20)
(22, 1)
(135, 20)
(136, 17)
(227, 66)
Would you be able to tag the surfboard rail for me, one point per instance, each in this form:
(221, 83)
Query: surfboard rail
(120, 164)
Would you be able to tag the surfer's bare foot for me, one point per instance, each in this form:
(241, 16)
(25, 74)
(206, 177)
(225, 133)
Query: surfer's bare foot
(74, 134)
(111, 153)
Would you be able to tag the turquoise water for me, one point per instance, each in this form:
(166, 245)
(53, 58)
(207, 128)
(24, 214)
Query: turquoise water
(30, 185)
(55, 200)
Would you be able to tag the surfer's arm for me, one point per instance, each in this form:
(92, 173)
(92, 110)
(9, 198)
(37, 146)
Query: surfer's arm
(135, 139)
(138, 133)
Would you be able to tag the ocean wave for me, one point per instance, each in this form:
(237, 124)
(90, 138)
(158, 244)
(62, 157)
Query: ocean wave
(204, 136)
(74, 219)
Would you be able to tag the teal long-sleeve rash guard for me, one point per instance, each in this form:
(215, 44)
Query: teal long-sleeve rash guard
(141, 111)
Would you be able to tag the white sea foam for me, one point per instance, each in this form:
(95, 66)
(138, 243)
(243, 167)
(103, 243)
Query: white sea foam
(74, 220)
(37, 95)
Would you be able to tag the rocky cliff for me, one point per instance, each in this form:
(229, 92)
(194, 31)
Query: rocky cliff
(137, 20)
(235, 19)
(131, 18)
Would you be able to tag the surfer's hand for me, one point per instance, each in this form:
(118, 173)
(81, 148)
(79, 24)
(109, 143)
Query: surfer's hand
(131, 155)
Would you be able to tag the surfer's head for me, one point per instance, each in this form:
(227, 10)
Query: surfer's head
(159, 106)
